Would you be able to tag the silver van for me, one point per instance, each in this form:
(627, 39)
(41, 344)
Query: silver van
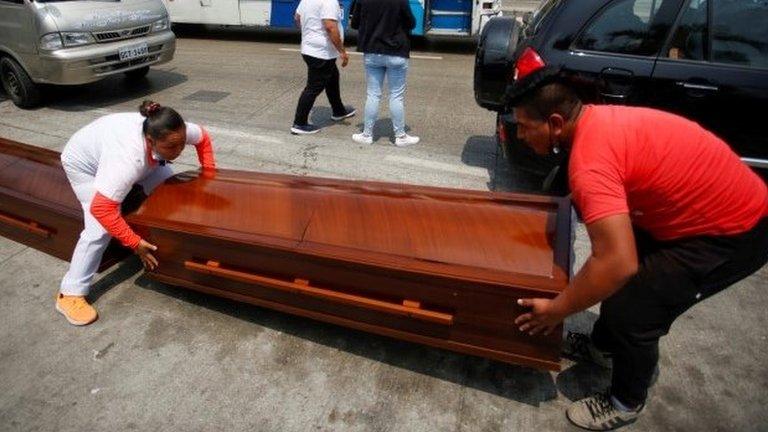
(78, 41)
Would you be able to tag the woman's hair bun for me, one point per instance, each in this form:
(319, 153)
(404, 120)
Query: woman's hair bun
(149, 108)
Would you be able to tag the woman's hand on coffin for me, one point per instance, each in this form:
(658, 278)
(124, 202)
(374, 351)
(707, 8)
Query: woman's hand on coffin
(543, 317)
(144, 252)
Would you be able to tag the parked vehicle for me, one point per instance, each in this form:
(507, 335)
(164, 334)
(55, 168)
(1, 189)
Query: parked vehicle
(704, 59)
(433, 17)
(77, 42)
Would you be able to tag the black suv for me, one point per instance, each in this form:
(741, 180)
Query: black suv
(704, 59)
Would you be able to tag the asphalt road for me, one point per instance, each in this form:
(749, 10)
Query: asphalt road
(163, 358)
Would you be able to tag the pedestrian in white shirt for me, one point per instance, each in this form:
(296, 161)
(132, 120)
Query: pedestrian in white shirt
(322, 42)
(103, 161)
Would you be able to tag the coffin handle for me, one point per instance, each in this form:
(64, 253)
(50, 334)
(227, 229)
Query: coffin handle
(301, 286)
(31, 227)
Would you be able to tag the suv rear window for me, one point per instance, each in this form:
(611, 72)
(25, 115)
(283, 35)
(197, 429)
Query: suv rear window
(545, 8)
(623, 27)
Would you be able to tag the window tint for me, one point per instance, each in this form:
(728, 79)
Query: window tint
(740, 32)
(623, 27)
(541, 13)
(689, 41)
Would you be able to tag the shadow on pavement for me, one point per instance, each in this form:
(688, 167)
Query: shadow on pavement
(484, 152)
(382, 130)
(522, 384)
(320, 116)
(582, 379)
(119, 274)
(110, 91)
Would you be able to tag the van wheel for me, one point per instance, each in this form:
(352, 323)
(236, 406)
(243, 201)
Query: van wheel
(18, 85)
(137, 74)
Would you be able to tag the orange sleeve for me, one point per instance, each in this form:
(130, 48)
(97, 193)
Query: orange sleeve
(205, 151)
(107, 212)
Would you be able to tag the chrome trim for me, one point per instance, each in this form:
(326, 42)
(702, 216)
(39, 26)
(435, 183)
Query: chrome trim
(121, 34)
(754, 162)
(698, 86)
(449, 13)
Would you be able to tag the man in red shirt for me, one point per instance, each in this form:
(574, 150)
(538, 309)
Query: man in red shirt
(673, 216)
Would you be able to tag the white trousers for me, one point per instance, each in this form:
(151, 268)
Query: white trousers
(94, 239)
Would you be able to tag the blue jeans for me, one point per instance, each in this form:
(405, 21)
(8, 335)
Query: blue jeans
(377, 66)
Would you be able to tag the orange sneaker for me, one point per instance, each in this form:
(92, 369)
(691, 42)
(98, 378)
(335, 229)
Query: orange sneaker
(76, 309)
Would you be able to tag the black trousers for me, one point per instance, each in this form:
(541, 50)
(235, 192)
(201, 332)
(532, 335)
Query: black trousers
(321, 75)
(673, 276)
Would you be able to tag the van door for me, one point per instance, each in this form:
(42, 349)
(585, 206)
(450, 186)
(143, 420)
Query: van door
(283, 12)
(255, 12)
(450, 17)
(714, 70)
(223, 12)
(17, 28)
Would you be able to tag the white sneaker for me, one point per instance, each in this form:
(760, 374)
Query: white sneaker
(599, 413)
(406, 140)
(362, 138)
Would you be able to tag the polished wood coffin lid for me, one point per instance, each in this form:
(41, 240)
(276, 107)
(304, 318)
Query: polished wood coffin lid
(503, 238)
(437, 266)
(37, 205)
(35, 174)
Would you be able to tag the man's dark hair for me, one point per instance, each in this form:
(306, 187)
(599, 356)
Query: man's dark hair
(555, 97)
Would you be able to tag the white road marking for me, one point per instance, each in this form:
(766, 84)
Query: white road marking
(441, 166)
(243, 135)
(416, 56)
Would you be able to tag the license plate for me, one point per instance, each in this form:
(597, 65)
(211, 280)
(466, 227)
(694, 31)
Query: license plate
(133, 51)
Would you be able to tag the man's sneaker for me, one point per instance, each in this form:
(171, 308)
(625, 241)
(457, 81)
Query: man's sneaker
(579, 347)
(598, 413)
(307, 129)
(406, 140)
(362, 138)
(350, 113)
(76, 310)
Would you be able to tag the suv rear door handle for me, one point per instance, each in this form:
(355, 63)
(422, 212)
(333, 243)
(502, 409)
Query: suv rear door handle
(694, 86)
(619, 82)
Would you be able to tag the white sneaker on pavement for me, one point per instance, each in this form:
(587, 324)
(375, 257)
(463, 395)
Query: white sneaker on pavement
(362, 138)
(599, 413)
(406, 140)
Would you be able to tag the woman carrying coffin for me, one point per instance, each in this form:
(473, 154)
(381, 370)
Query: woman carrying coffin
(103, 161)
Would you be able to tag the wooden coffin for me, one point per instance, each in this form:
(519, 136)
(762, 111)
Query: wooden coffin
(37, 205)
(435, 266)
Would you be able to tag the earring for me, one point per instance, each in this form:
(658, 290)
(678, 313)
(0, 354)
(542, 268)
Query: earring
(556, 149)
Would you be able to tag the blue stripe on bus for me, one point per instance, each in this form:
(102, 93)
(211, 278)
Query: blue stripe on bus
(283, 11)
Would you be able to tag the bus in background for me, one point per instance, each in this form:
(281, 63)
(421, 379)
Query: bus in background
(463, 18)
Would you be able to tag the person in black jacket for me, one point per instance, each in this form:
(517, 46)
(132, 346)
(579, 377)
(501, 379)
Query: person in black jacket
(383, 29)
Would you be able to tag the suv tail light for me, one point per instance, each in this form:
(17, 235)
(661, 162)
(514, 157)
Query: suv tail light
(529, 62)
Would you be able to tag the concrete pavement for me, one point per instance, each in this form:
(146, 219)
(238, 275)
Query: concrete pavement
(162, 358)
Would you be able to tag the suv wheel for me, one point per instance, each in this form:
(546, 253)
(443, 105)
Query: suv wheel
(18, 85)
(137, 74)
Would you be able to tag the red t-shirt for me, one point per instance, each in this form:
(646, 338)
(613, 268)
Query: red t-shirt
(674, 178)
